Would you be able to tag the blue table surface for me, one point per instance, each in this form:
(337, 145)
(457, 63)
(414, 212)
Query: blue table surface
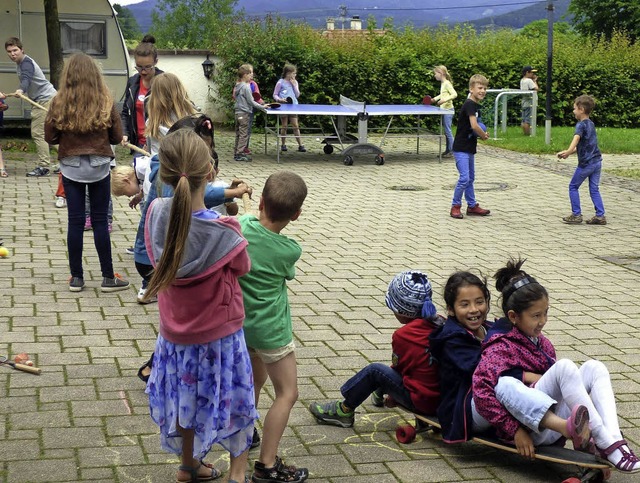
(372, 110)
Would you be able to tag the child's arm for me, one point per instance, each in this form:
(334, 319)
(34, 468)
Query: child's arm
(477, 129)
(571, 149)
(237, 189)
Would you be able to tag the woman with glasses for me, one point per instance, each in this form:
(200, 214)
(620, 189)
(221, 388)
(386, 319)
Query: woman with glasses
(138, 88)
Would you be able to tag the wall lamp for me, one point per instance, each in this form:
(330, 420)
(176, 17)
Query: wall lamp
(208, 67)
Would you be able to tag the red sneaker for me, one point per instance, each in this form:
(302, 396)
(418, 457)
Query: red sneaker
(247, 151)
(477, 211)
(455, 212)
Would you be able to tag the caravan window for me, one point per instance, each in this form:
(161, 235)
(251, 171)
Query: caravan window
(87, 37)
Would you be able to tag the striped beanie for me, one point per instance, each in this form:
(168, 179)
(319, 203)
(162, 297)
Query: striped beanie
(408, 293)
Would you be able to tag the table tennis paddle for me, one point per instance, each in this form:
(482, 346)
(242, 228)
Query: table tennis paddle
(427, 100)
(273, 105)
(289, 100)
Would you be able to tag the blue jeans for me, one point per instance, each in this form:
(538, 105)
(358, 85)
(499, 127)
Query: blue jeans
(591, 171)
(99, 194)
(375, 376)
(447, 119)
(465, 162)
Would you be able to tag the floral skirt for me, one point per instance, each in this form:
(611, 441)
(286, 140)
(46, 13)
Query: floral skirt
(204, 387)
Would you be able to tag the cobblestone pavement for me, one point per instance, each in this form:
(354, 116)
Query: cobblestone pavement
(86, 418)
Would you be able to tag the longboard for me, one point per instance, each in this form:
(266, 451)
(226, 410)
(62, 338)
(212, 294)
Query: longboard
(594, 470)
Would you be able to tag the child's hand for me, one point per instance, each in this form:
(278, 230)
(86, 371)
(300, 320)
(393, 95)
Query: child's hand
(135, 200)
(563, 154)
(232, 208)
(524, 444)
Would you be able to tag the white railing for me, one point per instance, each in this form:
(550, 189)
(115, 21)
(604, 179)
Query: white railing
(501, 101)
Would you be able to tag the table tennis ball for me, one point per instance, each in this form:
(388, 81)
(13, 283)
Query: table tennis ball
(4, 253)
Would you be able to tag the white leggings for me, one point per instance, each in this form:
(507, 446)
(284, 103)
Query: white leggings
(567, 386)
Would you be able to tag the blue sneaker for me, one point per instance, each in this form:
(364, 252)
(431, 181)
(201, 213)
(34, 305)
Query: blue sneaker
(331, 413)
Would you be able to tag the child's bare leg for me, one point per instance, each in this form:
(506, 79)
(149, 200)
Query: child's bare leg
(283, 375)
(259, 375)
(238, 466)
(187, 459)
(283, 130)
(296, 130)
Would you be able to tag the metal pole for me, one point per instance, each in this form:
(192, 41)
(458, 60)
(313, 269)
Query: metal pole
(548, 116)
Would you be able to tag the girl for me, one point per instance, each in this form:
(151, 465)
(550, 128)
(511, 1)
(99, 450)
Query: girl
(83, 120)
(445, 101)
(168, 103)
(287, 91)
(517, 343)
(456, 347)
(201, 386)
(138, 89)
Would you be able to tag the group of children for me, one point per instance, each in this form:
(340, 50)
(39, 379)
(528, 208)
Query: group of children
(478, 376)
(469, 129)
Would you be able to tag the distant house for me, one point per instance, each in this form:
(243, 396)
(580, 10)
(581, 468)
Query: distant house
(354, 30)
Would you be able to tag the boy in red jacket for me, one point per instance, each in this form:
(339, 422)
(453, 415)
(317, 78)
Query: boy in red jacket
(412, 380)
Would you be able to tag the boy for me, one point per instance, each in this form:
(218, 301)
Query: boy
(464, 148)
(34, 84)
(585, 142)
(267, 325)
(244, 106)
(527, 83)
(412, 380)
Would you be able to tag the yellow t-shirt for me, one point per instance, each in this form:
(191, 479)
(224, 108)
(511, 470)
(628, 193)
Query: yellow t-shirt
(447, 94)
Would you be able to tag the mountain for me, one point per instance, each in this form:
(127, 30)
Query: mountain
(507, 13)
(519, 18)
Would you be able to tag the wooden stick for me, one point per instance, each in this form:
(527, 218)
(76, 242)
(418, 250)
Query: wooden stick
(246, 203)
(135, 148)
(33, 103)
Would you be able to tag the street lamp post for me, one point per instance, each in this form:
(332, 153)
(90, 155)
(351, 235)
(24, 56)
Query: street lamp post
(548, 116)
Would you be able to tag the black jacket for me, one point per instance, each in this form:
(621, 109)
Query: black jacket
(128, 114)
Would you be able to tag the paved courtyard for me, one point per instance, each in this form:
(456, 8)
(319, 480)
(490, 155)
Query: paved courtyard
(86, 418)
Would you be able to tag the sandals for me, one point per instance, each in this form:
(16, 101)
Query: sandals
(629, 461)
(278, 473)
(145, 377)
(193, 472)
(3, 173)
(578, 428)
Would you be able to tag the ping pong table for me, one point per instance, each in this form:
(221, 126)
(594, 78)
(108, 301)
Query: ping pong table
(359, 145)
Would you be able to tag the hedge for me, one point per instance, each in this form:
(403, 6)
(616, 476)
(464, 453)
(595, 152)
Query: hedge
(397, 68)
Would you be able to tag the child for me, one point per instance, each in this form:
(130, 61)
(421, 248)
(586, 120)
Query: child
(412, 380)
(527, 83)
(268, 326)
(543, 385)
(244, 106)
(200, 389)
(445, 101)
(464, 148)
(287, 91)
(456, 348)
(3, 171)
(168, 103)
(83, 120)
(255, 93)
(585, 142)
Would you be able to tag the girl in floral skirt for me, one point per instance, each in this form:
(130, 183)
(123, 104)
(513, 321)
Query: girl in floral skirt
(201, 385)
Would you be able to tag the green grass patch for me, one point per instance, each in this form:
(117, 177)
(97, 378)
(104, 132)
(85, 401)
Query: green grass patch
(610, 140)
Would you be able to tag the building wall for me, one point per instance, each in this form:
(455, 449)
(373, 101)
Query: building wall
(187, 65)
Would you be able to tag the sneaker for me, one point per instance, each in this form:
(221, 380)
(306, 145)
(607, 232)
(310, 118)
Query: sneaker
(597, 220)
(331, 413)
(283, 148)
(255, 442)
(447, 154)
(87, 223)
(141, 300)
(279, 472)
(247, 151)
(241, 157)
(76, 284)
(56, 169)
(377, 398)
(38, 171)
(302, 149)
(114, 284)
(61, 202)
(477, 211)
(455, 212)
(129, 250)
(572, 219)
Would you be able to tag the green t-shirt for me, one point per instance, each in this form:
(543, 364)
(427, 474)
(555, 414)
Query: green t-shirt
(267, 323)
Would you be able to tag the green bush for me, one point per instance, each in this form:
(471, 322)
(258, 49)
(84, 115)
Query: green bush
(397, 68)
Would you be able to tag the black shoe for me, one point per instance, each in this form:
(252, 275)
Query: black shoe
(283, 148)
(302, 149)
(38, 171)
(149, 364)
(114, 284)
(255, 442)
(76, 284)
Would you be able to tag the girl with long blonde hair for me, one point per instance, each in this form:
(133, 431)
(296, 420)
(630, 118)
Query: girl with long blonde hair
(84, 122)
(167, 103)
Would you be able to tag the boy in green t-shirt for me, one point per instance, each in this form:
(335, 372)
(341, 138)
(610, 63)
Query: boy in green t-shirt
(267, 325)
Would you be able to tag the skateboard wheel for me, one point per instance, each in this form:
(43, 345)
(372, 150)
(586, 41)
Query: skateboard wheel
(348, 161)
(328, 149)
(379, 159)
(406, 434)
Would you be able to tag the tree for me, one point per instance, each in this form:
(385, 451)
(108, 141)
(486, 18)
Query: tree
(604, 17)
(189, 24)
(54, 43)
(128, 23)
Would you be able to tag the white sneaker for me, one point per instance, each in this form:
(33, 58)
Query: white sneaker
(61, 202)
(141, 293)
